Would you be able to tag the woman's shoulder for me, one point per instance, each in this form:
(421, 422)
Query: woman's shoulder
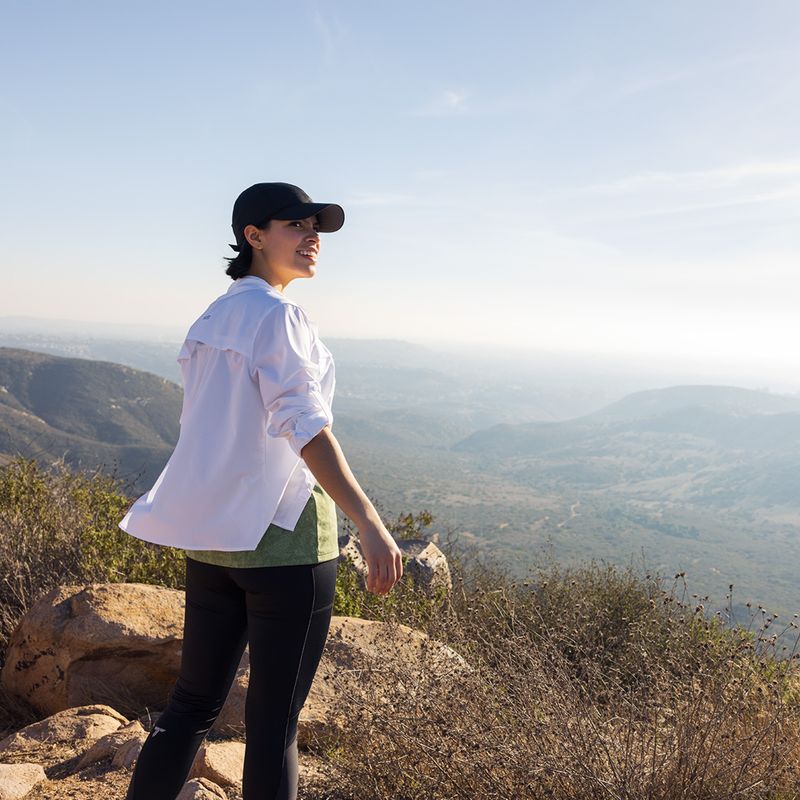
(285, 311)
(288, 322)
(261, 306)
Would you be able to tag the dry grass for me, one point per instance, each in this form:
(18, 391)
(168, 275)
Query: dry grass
(589, 683)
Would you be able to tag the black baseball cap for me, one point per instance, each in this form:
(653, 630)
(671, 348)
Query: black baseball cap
(264, 201)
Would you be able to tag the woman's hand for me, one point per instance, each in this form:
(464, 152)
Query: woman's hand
(383, 557)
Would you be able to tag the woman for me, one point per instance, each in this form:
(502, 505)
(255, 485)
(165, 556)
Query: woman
(249, 494)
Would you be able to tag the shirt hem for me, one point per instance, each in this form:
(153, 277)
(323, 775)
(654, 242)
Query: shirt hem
(283, 562)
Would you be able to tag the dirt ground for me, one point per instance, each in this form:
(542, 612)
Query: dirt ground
(102, 782)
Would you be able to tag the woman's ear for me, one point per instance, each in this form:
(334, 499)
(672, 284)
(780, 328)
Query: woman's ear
(253, 236)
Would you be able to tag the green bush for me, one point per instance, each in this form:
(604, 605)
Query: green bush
(58, 527)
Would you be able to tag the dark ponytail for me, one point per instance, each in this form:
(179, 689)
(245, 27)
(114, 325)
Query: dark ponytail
(240, 263)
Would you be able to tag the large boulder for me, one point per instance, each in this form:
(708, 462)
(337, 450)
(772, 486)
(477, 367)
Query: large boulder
(115, 643)
(351, 647)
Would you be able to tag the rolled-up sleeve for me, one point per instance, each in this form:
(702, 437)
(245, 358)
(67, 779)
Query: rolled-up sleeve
(289, 378)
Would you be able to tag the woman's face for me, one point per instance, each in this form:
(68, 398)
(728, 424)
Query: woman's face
(287, 249)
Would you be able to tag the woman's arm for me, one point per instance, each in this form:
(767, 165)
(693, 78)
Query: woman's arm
(325, 459)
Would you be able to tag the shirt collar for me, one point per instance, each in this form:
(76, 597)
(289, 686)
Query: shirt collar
(247, 282)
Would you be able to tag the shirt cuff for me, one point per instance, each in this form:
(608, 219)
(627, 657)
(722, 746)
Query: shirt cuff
(305, 428)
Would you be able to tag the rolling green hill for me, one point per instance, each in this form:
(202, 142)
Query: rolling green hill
(714, 446)
(92, 412)
(703, 479)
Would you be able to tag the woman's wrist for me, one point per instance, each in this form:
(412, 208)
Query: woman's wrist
(368, 520)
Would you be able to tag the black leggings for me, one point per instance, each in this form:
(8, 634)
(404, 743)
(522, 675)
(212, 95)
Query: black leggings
(285, 614)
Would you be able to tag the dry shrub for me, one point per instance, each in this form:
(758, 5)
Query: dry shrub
(585, 683)
(57, 527)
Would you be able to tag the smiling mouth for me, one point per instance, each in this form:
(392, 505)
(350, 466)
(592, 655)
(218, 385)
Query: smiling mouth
(310, 254)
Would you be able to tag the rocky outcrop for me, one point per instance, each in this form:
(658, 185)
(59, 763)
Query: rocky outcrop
(118, 643)
(353, 648)
(427, 566)
(350, 648)
(74, 730)
(351, 557)
(124, 640)
(46, 764)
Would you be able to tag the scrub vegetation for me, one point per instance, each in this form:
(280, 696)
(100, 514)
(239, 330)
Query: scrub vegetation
(584, 682)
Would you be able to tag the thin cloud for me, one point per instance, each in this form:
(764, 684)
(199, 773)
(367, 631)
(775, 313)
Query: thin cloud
(648, 83)
(454, 99)
(781, 195)
(658, 79)
(429, 174)
(448, 101)
(696, 179)
(331, 33)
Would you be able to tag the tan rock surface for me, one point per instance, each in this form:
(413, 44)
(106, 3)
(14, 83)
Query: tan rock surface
(427, 566)
(221, 762)
(129, 750)
(61, 736)
(118, 643)
(343, 670)
(351, 558)
(106, 746)
(201, 789)
(230, 721)
(19, 780)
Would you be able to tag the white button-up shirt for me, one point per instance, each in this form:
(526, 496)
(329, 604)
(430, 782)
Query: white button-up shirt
(257, 387)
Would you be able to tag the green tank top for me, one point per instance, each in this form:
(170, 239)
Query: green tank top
(314, 539)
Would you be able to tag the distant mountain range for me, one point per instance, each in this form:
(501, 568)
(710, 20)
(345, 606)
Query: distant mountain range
(701, 478)
(728, 400)
(718, 444)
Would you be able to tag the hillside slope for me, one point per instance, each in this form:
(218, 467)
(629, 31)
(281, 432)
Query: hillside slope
(91, 412)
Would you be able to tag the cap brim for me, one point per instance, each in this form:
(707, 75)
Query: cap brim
(329, 215)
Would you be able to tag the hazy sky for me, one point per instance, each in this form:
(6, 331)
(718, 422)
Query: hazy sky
(613, 176)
